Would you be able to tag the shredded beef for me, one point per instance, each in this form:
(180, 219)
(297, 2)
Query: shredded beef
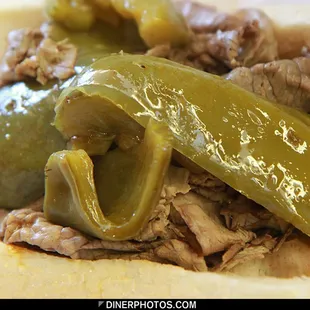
(97, 254)
(31, 54)
(305, 52)
(248, 253)
(291, 260)
(207, 185)
(194, 55)
(27, 225)
(203, 219)
(284, 81)
(159, 226)
(181, 254)
(36, 205)
(3, 214)
(203, 18)
(221, 42)
(245, 213)
(263, 46)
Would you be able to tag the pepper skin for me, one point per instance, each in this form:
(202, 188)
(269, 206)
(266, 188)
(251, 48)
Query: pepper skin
(255, 146)
(26, 141)
(27, 138)
(128, 185)
(158, 21)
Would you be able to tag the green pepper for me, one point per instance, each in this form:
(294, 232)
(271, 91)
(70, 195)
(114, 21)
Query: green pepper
(74, 14)
(26, 141)
(158, 21)
(27, 110)
(101, 39)
(117, 202)
(257, 147)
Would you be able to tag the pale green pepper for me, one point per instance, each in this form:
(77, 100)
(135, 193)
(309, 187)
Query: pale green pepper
(158, 21)
(27, 137)
(117, 202)
(256, 147)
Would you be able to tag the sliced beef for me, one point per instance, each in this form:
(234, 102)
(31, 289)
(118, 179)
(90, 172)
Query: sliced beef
(232, 47)
(284, 81)
(262, 47)
(181, 254)
(30, 226)
(238, 256)
(168, 252)
(305, 52)
(291, 260)
(27, 225)
(245, 213)
(208, 180)
(159, 226)
(203, 219)
(221, 42)
(97, 254)
(3, 214)
(207, 185)
(176, 182)
(195, 55)
(204, 18)
(31, 54)
(36, 205)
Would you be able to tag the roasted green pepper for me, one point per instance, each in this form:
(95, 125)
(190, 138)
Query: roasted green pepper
(158, 21)
(74, 14)
(256, 147)
(27, 110)
(101, 39)
(26, 141)
(128, 185)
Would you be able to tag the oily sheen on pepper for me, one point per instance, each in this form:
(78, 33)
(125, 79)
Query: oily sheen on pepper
(256, 147)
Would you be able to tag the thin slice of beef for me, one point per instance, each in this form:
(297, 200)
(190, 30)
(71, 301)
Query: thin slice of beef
(195, 55)
(286, 82)
(305, 51)
(3, 214)
(210, 187)
(159, 226)
(252, 41)
(205, 18)
(30, 226)
(220, 41)
(291, 260)
(181, 254)
(203, 219)
(27, 225)
(245, 213)
(97, 254)
(36, 205)
(248, 253)
(168, 252)
(31, 54)
(262, 47)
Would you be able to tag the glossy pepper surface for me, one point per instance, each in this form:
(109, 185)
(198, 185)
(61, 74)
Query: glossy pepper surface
(117, 202)
(26, 141)
(27, 137)
(158, 21)
(256, 147)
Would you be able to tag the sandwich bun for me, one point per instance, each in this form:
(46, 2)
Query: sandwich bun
(25, 273)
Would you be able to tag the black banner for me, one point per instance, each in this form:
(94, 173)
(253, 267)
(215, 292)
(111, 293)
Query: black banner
(147, 303)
